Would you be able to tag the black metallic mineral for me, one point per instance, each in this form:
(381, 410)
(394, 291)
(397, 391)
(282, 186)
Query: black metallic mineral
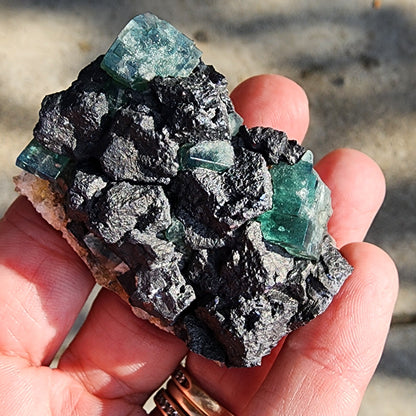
(194, 257)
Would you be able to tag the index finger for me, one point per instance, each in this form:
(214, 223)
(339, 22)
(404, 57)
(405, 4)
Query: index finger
(273, 101)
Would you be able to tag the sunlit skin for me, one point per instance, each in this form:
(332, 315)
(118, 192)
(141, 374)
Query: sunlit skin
(118, 360)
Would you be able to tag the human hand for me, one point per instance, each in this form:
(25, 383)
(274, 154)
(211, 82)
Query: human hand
(117, 360)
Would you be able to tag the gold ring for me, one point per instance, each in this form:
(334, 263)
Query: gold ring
(183, 397)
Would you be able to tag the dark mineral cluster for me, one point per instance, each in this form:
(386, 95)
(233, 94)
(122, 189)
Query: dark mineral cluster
(216, 232)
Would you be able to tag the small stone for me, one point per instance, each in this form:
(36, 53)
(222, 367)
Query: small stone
(124, 207)
(86, 186)
(162, 292)
(211, 204)
(273, 144)
(217, 155)
(196, 108)
(137, 151)
(72, 122)
(148, 47)
(42, 162)
(144, 249)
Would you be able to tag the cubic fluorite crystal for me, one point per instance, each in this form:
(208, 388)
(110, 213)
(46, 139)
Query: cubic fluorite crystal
(215, 155)
(149, 47)
(211, 230)
(42, 162)
(301, 208)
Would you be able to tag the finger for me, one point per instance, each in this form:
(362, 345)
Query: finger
(234, 388)
(273, 101)
(357, 187)
(266, 100)
(324, 367)
(29, 390)
(44, 285)
(117, 355)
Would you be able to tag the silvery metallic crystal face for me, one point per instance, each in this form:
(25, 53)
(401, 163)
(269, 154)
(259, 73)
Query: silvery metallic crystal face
(217, 232)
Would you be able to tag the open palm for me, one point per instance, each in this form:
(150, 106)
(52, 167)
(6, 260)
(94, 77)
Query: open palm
(118, 360)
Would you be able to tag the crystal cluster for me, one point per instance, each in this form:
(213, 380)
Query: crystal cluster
(214, 231)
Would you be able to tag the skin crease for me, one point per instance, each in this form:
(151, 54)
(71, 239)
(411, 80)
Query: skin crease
(117, 360)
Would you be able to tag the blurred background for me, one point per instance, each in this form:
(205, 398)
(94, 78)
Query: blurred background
(356, 59)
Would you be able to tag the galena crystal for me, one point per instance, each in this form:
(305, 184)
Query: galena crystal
(213, 231)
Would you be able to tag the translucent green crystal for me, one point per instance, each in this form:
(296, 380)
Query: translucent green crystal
(116, 97)
(148, 47)
(41, 162)
(301, 208)
(217, 155)
(236, 121)
(175, 232)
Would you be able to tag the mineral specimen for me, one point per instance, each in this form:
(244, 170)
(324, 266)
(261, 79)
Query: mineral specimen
(212, 231)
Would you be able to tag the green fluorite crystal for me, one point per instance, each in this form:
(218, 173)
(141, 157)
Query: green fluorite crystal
(217, 155)
(301, 208)
(148, 47)
(41, 162)
(175, 232)
(236, 121)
